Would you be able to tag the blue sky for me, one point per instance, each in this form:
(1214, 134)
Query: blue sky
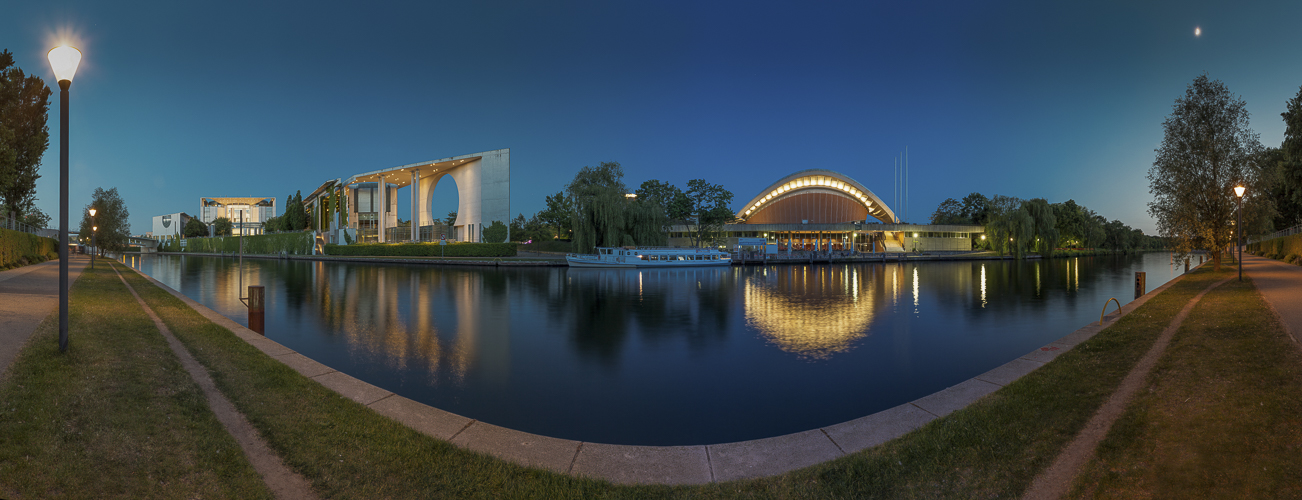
(179, 100)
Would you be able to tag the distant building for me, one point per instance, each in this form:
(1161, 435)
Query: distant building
(827, 211)
(251, 211)
(169, 225)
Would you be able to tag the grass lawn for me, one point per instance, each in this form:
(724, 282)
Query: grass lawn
(992, 449)
(114, 417)
(1221, 416)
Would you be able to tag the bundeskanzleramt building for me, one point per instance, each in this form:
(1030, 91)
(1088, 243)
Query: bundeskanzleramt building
(246, 214)
(822, 210)
(169, 225)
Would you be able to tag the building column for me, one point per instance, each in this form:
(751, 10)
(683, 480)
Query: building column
(384, 205)
(415, 199)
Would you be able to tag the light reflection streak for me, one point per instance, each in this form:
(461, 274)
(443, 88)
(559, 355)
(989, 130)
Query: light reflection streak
(983, 286)
(915, 290)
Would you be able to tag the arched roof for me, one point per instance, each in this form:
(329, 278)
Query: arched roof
(818, 180)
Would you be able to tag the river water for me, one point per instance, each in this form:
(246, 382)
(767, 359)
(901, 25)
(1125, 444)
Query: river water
(665, 357)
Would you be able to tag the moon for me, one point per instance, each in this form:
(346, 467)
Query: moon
(1198, 31)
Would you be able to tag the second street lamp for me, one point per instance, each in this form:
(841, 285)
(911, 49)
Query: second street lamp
(1238, 228)
(64, 61)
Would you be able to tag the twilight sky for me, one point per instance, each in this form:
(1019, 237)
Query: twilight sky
(179, 100)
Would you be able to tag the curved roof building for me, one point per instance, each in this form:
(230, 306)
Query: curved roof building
(817, 196)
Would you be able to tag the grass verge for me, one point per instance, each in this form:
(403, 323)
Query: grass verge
(993, 448)
(114, 417)
(1221, 416)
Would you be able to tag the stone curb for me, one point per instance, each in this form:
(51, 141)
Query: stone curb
(674, 465)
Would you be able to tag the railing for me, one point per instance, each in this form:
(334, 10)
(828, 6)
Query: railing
(1278, 234)
(14, 225)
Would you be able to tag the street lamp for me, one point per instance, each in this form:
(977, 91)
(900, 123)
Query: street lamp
(93, 231)
(1238, 228)
(64, 61)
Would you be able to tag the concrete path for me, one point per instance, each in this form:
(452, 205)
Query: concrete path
(27, 295)
(1280, 285)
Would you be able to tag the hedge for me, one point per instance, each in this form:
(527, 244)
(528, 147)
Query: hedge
(1286, 248)
(19, 249)
(423, 250)
(299, 243)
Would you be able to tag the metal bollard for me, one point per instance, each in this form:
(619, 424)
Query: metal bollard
(1186, 264)
(1139, 284)
(257, 309)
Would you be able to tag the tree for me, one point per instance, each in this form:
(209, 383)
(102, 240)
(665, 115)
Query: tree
(495, 232)
(710, 207)
(451, 219)
(24, 136)
(222, 226)
(517, 228)
(296, 218)
(558, 215)
(36, 218)
(1207, 149)
(598, 198)
(1043, 226)
(1003, 224)
(1286, 165)
(195, 229)
(950, 211)
(976, 209)
(675, 204)
(112, 218)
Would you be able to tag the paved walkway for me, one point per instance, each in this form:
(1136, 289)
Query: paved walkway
(27, 295)
(1281, 285)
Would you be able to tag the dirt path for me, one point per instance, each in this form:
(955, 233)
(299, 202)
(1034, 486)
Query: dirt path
(1055, 481)
(284, 483)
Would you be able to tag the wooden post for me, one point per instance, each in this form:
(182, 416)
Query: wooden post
(257, 309)
(1139, 284)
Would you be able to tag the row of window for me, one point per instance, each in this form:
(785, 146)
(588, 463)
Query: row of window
(681, 257)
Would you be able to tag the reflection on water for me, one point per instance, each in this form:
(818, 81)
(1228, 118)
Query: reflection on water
(663, 356)
(814, 316)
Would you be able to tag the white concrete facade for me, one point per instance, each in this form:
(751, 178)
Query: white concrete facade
(169, 224)
(483, 183)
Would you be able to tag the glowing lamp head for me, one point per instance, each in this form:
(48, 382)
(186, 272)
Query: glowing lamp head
(92, 212)
(94, 228)
(1238, 191)
(64, 60)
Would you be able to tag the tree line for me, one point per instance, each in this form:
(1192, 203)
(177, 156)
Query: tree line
(597, 209)
(24, 137)
(1016, 226)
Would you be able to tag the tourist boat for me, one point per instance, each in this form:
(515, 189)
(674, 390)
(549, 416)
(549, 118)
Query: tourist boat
(649, 257)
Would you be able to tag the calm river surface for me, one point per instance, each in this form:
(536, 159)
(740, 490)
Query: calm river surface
(665, 357)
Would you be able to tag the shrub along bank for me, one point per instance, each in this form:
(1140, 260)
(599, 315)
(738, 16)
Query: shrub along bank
(1287, 249)
(271, 244)
(423, 250)
(18, 249)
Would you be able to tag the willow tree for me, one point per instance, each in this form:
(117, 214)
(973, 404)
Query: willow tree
(1043, 226)
(597, 196)
(1208, 149)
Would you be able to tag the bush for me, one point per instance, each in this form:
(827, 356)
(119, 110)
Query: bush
(495, 233)
(263, 244)
(19, 249)
(423, 250)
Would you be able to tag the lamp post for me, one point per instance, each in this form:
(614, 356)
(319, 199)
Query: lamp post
(1238, 228)
(93, 231)
(64, 61)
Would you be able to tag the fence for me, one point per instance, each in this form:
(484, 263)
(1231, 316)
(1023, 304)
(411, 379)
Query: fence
(13, 224)
(1278, 234)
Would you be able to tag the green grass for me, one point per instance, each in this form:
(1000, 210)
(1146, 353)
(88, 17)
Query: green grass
(114, 417)
(992, 449)
(1221, 415)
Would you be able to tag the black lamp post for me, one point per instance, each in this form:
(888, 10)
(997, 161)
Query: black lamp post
(64, 61)
(93, 231)
(1238, 229)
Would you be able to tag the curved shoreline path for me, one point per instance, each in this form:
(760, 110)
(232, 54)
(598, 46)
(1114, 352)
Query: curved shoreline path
(676, 465)
(27, 295)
